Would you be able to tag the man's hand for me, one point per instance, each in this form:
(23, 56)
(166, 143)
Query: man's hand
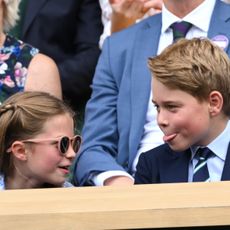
(126, 12)
(119, 181)
(135, 9)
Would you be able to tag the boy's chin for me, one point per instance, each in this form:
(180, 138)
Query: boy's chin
(178, 148)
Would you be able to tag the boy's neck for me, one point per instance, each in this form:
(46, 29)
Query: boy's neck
(218, 124)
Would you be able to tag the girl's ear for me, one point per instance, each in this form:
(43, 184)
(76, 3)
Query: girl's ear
(215, 103)
(18, 148)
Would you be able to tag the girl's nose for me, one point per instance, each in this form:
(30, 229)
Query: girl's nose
(70, 154)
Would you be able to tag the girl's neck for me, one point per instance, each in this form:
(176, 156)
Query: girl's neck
(19, 181)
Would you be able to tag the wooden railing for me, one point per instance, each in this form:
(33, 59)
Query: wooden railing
(133, 207)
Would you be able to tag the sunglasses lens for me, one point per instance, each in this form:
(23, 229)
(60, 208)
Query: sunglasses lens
(64, 145)
(76, 143)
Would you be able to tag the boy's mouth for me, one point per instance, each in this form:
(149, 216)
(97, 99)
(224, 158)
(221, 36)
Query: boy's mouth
(64, 169)
(167, 138)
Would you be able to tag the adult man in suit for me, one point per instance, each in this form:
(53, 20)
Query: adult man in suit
(120, 118)
(69, 32)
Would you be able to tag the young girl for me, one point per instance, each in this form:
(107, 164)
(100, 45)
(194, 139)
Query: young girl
(37, 142)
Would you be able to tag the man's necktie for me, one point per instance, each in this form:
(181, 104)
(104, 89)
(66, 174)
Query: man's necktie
(180, 29)
(200, 172)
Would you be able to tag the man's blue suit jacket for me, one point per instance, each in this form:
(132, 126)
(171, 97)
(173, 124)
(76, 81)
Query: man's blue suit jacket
(69, 32)
(163, 165)
(116, 112)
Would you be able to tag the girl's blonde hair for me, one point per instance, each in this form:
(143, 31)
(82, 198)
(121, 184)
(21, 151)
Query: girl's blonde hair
(22, 116)
(10, 13)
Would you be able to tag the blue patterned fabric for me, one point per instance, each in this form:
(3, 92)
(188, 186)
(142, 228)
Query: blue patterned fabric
(15, 57)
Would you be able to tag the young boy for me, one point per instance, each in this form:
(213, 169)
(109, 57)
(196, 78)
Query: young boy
(191, 92)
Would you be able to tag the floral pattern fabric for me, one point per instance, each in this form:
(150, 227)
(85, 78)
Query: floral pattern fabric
(2, 184)
(15, 57)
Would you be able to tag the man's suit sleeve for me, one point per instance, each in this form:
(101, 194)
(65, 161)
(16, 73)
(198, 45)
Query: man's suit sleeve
(100, 132)
(78, 69)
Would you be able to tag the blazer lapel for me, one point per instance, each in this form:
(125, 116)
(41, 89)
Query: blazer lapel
(220, 23)
(226, 170)
(33, 8)
(176, 166)
(145, 45)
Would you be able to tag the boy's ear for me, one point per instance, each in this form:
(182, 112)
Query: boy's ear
(18, 148)
(215, 103)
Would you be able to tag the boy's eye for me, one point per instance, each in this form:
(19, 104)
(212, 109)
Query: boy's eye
(171, 107)
(156, 106)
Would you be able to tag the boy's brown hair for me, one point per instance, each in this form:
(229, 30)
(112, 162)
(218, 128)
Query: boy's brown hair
(196, 66)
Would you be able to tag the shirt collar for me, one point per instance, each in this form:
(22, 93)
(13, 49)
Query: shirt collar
(200, 17)
(218, 146)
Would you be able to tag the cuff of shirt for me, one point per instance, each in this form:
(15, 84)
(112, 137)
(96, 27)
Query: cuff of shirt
(99, 179)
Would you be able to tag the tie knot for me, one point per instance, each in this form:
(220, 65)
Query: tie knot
(180, 29)
(203, 153)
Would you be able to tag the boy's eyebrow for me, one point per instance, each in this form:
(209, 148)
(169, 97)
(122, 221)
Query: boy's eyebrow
(165, 102)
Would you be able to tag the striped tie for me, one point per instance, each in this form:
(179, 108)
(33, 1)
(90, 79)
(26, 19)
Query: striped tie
(180, 29)
(200, 172)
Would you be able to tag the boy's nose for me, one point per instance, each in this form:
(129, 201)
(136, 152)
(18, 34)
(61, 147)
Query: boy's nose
(162, 119)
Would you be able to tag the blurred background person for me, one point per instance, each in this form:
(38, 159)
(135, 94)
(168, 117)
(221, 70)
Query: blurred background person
(120, 14)
(22, 67)
(68, 32)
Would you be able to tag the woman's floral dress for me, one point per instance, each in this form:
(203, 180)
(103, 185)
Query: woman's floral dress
(15, 57)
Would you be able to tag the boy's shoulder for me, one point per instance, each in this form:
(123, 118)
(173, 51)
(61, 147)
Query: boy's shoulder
(158, 151)
(162, 152)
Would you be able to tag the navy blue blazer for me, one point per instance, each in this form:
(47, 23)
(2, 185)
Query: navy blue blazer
(116, 113)
(68, 32)
(163, 165)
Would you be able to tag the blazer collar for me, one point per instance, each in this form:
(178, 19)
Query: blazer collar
(226, 170)
(178, 164)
